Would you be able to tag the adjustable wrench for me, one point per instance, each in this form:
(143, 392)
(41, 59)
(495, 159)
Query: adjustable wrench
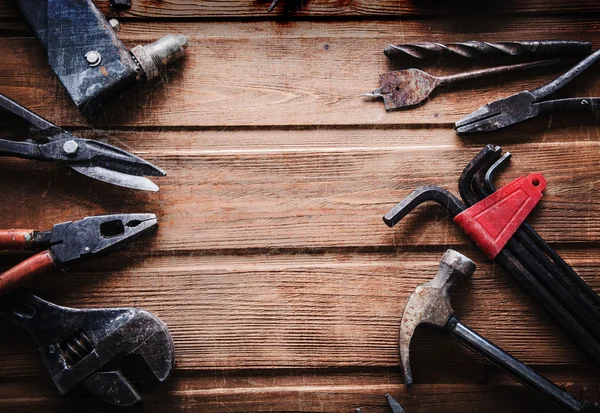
(77, 345)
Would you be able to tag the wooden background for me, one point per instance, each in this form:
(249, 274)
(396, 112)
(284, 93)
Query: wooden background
(282, 287)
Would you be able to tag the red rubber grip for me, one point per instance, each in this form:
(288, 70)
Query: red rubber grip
(12, 239)
(20, 273)
(492, 222)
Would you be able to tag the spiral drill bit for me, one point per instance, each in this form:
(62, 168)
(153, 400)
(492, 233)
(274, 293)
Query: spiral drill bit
(475, 49)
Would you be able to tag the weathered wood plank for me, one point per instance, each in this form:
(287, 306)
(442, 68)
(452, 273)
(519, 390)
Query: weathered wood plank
(308, 311)
(328, 8)
(284, 392)
(295, 197)
(284, 74)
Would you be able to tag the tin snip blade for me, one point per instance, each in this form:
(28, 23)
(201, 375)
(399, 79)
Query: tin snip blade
(50, 143)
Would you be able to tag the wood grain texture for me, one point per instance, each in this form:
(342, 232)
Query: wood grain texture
(297, 392)
(310, 312)
(169, 9)
(289, 74)
(281, 285)
(330, 194)
(329, 310)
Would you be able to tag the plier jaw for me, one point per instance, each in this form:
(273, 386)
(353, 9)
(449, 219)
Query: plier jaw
(526, 104)
(95, 235)
(499, 114)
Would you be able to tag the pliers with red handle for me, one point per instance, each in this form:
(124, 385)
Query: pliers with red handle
(69, 241)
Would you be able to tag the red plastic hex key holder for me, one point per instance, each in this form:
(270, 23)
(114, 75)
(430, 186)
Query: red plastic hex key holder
(491, 222)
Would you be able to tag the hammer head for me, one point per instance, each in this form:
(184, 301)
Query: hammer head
(430, 303)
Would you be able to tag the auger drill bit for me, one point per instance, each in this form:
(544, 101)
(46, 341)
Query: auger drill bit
(475, 49)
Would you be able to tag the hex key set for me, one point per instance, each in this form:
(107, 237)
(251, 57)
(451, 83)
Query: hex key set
(570, 302)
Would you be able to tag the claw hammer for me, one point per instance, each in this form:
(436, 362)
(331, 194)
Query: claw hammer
(430, 304)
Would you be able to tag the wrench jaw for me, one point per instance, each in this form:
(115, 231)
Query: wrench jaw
(138, 333)
(157, 350)
(113, 388)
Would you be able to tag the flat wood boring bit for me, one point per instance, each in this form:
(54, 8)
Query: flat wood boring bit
(410, 87)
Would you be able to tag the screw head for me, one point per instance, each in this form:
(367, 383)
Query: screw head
(93, 58)
(70, 147)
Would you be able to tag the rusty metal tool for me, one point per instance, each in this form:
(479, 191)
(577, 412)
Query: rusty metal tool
(430, 304)
(576, 319)
(477, 49)
(69, 241)
(85, 347)
(87, 55)
(529, 104)
(48, 142)
(410, 87)
(394, 405)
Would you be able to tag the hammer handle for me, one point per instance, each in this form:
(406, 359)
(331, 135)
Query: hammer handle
(524, 374)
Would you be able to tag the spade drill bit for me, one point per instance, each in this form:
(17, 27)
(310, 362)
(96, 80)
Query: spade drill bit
(475, 49)
(410, 87)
